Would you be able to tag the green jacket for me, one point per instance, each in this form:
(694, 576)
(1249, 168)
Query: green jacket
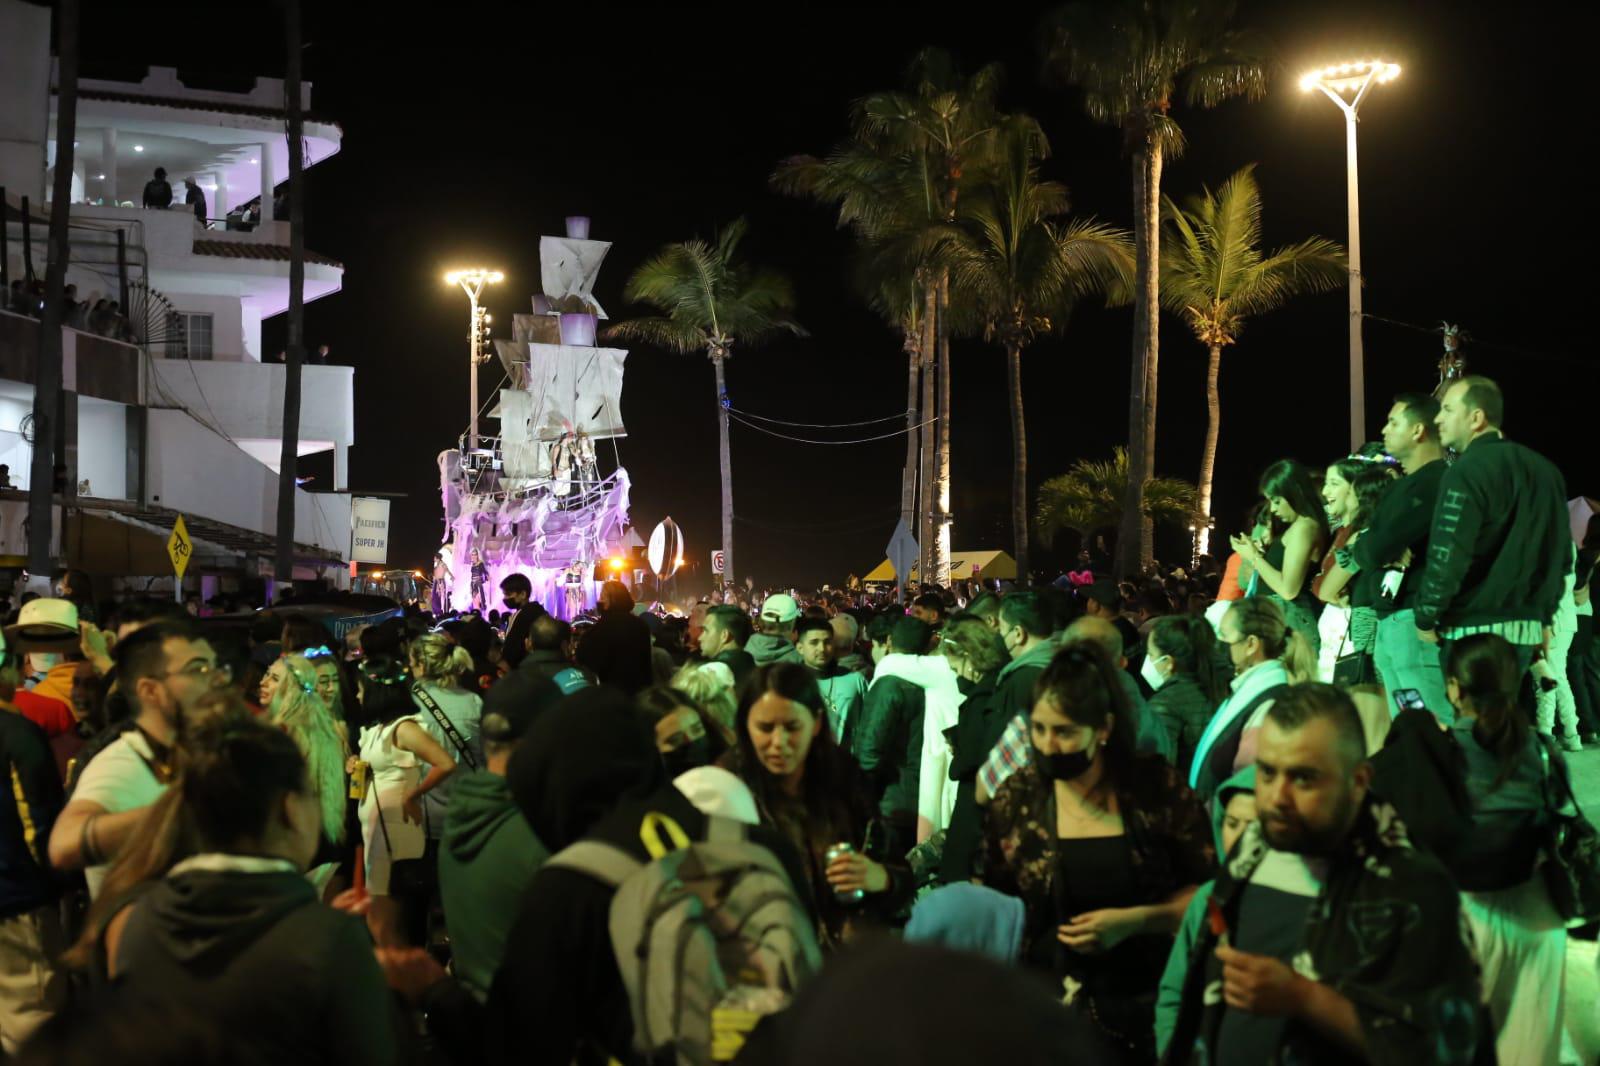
(487, 857)
(1169, 994)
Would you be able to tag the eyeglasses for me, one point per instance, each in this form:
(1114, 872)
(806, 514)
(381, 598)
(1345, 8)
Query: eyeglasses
(201, 671)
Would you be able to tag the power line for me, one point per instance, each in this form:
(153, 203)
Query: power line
(810, 440)
(820, 425)
(1474, 342)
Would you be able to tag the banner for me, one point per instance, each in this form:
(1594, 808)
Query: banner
(369, 529)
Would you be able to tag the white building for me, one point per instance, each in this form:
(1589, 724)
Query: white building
(183, 415)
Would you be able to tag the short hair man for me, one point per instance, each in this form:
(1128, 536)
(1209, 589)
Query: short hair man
(1026, 624)
(164, 670)
(930, 608)
(846, 630)
(1104, 600)
(1150, 735)
(1399, 528)
(157, 193)
(843, 690)
(518, 593)
(1325, 893)
(775, 642)
(726, 631)
(1500, 547)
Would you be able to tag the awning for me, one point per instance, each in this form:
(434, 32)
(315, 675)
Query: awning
(120, 537)
(964, 566)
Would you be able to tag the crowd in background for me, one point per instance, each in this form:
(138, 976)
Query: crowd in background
(1306, 803)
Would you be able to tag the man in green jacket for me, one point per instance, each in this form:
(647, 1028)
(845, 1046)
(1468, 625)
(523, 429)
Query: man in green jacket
(489, 852)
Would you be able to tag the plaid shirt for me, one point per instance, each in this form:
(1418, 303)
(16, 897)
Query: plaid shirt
(1008, 756)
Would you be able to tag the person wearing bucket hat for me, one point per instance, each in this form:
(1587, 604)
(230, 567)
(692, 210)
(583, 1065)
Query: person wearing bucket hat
(47, 633)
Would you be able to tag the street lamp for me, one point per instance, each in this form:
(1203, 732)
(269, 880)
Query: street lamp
(472, 283)
(1354, 79)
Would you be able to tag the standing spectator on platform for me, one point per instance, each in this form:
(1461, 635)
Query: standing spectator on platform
(1398, 534)
(195, 198)
(157, 193)
(1284, 568)
(1331, 939)
(1498, 551)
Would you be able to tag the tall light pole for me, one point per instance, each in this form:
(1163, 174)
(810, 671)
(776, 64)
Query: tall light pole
(472, 283)
(1354, 79)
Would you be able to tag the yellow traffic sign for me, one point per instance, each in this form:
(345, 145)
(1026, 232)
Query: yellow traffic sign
(179, 548)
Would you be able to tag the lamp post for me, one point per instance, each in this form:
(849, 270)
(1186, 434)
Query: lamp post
(1335, 82)
(472, 283)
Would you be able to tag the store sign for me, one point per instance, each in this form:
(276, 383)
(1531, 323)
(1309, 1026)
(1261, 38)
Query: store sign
(369, 529)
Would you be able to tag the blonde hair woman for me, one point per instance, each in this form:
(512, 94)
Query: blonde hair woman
(289, 695)
(711, 686)
(450, 713)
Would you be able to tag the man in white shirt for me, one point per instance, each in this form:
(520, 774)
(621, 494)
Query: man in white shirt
(163, 670)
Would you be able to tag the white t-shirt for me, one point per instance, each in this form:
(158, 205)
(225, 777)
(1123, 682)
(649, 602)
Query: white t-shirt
(118, 779)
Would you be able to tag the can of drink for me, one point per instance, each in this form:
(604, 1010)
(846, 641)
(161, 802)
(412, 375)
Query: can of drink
(836, 850)
(358, 781)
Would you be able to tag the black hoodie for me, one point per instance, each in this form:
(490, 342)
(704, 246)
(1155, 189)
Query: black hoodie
(257, 953)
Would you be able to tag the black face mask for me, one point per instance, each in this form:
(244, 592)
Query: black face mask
(1063, 765)
(682, 759)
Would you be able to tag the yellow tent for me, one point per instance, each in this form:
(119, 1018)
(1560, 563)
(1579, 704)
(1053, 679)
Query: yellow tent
(964, 566)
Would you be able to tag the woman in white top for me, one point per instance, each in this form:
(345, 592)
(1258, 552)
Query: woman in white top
(437, 665)
(404, 763)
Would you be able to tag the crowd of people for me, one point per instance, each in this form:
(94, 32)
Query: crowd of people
(98, 315)
(1305, 804)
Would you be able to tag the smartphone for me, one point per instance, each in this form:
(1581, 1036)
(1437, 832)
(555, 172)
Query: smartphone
(1409, 699)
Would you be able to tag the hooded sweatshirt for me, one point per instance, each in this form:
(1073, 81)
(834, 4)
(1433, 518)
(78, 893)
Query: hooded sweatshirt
(488, 856)
(245, 942)
(767, 648)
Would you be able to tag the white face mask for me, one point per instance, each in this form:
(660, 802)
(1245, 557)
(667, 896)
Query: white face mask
(1152, 676)
(44, 662)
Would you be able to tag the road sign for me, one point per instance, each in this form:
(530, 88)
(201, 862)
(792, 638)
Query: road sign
(718, 563)
(179, 549)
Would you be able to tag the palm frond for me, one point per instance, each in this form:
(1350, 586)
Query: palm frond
(657, 332)
(1088, 498)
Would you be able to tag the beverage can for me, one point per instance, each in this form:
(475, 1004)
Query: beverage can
(833, 852)
(358, 781)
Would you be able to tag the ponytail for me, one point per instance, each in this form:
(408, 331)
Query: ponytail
(1192, 644)
(440, 659)
(1262, 617)
(1484, 667)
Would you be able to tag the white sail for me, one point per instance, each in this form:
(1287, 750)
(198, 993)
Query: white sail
(571, 390)
(568, 267)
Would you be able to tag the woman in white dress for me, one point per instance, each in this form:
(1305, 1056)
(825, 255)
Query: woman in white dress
(403, 763)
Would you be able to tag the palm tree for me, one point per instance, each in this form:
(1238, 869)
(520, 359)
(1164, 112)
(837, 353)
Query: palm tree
(1215, 275)
(708, 299)
(1131, 58)
(1089, 498)
(1021, 267)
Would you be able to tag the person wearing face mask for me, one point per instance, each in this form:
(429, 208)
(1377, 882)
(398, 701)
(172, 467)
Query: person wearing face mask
(1267, 656)
(686, 735)
(1104, 846)
(1183, 672)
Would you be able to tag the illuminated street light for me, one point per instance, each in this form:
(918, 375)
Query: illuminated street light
(472, 283)
(1354, 79)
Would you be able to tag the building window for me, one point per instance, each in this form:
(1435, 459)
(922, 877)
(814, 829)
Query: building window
(197, 334)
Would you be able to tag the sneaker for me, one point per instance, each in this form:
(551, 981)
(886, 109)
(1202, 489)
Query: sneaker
(1571, 743)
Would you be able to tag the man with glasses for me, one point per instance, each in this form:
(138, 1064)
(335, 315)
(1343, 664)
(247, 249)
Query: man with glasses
(164, 671)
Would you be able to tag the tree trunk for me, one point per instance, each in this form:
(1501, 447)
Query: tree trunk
(727, 474)
(294, 352)
(908, 480)
(939, 562)
(1135, 550)
(1208, 454)
(930, 435)
(1019, 466)
(48, 406)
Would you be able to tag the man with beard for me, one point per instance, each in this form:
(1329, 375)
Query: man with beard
(1330, 940)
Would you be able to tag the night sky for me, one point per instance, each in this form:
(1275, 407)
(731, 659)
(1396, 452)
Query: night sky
(470, 130)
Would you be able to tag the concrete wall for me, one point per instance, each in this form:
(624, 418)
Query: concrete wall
(227, 323)
(194, 471)
(103, 448)
(25, 66)
(245, 399)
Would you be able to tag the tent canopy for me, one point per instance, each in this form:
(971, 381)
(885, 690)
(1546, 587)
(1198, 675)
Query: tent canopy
(964, 566)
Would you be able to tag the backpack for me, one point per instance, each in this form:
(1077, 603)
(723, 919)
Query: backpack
(698, 920)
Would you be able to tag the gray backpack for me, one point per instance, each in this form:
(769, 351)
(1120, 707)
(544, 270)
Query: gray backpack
(700, 919)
